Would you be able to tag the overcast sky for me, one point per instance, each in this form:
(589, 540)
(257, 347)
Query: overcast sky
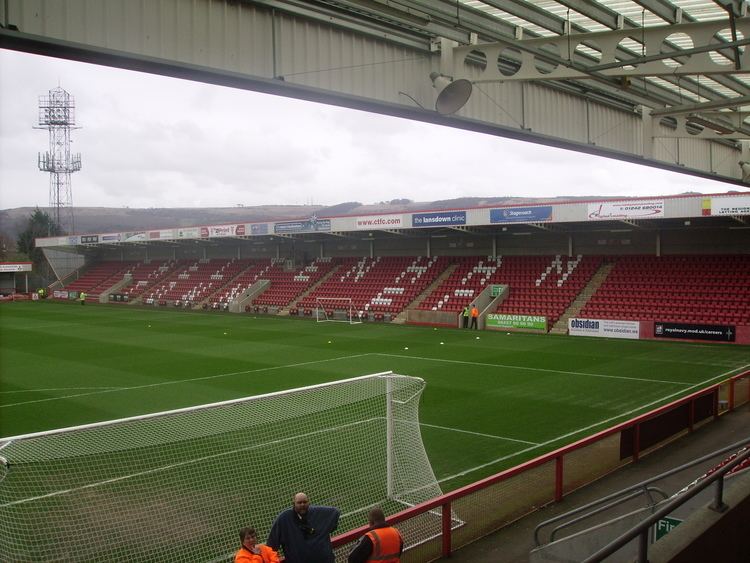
(150, 141)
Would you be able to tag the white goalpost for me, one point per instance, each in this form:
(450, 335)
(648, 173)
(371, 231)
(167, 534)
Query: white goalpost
(337, 309)
(178, 485)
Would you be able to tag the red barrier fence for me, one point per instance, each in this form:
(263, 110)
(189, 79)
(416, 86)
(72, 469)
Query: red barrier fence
(480, 508)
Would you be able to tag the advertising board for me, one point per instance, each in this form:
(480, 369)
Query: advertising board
(716, 333)
(605, 328)
(521, 214)
(617, 210)
(438, 218)
(533, 322)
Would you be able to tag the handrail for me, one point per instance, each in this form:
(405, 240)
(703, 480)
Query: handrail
(632, 495)
(642, 528)
(640, 485)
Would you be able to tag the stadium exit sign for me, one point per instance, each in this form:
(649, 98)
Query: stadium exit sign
(664, 526)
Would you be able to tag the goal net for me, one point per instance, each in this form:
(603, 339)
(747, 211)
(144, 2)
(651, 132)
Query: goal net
(336, 309)
(178, 485)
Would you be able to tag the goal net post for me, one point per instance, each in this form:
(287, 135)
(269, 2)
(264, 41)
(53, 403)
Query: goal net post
(178, 485)
(337, 309)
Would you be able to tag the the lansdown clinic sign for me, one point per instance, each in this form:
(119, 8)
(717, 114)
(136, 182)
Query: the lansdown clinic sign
(604, 328)
(445, 218)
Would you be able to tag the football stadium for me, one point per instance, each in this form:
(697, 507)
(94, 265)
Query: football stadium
(459, 366)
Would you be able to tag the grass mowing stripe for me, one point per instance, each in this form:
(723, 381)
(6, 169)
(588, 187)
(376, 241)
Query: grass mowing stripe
(477, 433)
(585, 428)
(56, 389)
(161, 383)
(536, 369)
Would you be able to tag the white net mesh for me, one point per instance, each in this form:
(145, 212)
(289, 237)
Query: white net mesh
(178, 486)
(337, 309)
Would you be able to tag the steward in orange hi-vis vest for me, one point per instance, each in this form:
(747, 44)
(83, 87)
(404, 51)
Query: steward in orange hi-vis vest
(381, 544)
(386, 545)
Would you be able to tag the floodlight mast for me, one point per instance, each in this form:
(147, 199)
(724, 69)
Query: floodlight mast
(57, 115)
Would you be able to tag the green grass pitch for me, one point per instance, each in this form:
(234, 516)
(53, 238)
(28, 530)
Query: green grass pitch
(493, 400)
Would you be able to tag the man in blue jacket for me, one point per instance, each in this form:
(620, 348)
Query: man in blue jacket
(304, 532)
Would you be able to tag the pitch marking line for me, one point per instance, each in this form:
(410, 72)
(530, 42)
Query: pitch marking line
(601, 375)
(57, 389)
(585, 428)
(161, 383)
(478, 434)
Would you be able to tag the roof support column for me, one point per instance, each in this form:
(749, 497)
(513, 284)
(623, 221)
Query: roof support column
(446, 56)
(658, 244)
(648, 132)
(429, 247)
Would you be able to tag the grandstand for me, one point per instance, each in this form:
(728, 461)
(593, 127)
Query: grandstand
(681, 289)
(697, 276)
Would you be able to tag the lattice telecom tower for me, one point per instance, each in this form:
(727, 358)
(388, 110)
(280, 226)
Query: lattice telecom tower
(57, 114)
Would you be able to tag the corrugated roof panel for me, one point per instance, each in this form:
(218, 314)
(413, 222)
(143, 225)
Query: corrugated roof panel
(701, 10)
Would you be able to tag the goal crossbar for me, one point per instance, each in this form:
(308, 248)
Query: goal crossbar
(326, 310)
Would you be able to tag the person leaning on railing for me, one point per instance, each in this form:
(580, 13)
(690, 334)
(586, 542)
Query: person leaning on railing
(383, 543)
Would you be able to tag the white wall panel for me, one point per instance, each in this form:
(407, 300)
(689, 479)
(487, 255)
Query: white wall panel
(554, 113)
(724, 160)
(334, 59)
(694, 154)
(614, 129)
(683, 207)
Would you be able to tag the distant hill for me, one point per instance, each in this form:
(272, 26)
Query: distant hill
(119, 219)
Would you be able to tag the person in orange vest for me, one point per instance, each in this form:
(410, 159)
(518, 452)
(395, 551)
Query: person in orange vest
(383, 543)
(253, 552)
(474, 316)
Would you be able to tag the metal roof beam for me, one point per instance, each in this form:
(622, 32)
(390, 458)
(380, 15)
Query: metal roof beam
(669, 13)
(557, 25)
(670, 55)
(598, 12)
(691, 108)
(329, 16)
(530, 13)
(665, 9)
(736, 8)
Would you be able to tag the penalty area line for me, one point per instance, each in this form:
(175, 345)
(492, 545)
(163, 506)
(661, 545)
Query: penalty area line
(478, 434)
(526, 368)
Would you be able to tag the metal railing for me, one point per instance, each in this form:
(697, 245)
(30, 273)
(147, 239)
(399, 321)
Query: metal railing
(626, 494)
(641, 530)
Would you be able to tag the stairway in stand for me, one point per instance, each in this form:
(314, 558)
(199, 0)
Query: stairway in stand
(401, 317)
(284, 311)
(561, 326)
